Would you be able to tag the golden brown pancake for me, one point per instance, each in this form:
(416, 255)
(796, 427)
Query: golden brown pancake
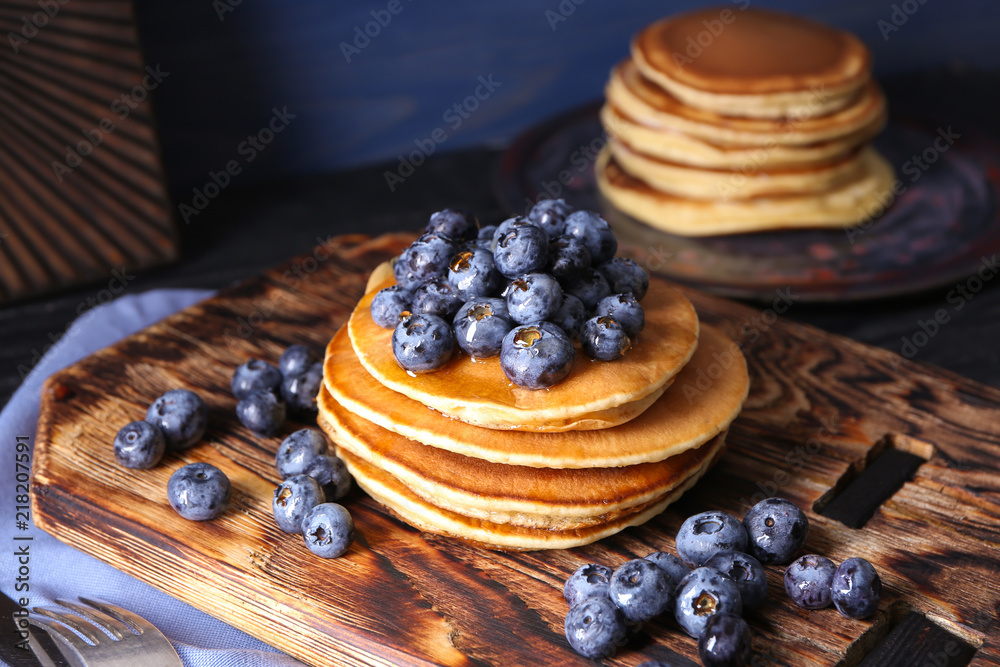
(685, 417)
(416, 511)
(688, 149)
(525, 496)
(839, 207)
(650, 105)
(596, 394)
(752, 62)
(723, 184)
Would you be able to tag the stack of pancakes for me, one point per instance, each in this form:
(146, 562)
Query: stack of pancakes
(727, 121)
(463, 452)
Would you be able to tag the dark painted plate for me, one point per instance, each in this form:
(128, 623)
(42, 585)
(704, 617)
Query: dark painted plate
(940, 229)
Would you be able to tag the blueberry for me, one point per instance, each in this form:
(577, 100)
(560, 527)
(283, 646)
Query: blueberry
(570, 316)
(702, 594)
(199, 491)
(328, 530)
(595, 628)
(507, 225)
(776, 529)
(746, 571)
(473, 273)
(331, 474)
(595, 233)
(589, 286)
(182, 416)
(426, 258)
(422, 343)
(550, 215)
(480, 325)
(139, 445)
(292, 499)
(604, 338)
(725, 642)
(625, 275)
(296, 359)
(536, 355)
(523, 249)
(456, 223)
(624, 309)
(297, 450)
(484, 239)
(809, 581)
(568, 257)
(255, 375)
(436, 297)
(703, 535)
(262, 412)
(389, 305)
(641, 590)
(670, 564)
(587, 581)
(300, 391)
(533, 297)
(856, 588)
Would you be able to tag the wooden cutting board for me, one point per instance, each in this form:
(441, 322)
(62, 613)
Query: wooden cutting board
(821, 408)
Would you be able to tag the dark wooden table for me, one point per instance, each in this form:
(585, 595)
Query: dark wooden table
(244, 232)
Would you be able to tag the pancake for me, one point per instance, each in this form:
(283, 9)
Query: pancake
(723, 184)
(596, 394)
(752, 62)
(685, 417)
(687, 149)
(652, 106)
(840, 207)
(556, 499)
(416, 511)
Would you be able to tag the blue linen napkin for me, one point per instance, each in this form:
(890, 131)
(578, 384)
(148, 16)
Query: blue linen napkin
(57, 570)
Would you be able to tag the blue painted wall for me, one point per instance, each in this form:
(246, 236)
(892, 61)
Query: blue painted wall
(232, 63)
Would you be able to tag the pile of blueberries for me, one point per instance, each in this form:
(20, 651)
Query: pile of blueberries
(267, 393)
(718, 576)
(304, 502)
(525, 290)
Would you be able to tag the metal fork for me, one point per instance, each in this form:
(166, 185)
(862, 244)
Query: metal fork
(115, 637)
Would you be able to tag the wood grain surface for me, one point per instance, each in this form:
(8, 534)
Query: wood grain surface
(820, 407)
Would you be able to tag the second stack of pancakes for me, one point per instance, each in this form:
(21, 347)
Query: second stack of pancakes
(464, 453)
(728, 121)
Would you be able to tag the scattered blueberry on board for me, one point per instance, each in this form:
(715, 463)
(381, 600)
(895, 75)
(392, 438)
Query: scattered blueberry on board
(255, 375)
(299, 392)
(199, 491)
(262, 412)
(139, 445)
(725, 641)
(299, 449)
(856, 588)
(328, 530)
(296, 359)
(292, 499)
(641, 590)
(182, 416)
(702, 594)
(776, 529)
(670, 564)
(746, 572)
(551, 267)
(587, 581)
(703, 535)
(809, 581)
(595, 628)
(331, 474)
